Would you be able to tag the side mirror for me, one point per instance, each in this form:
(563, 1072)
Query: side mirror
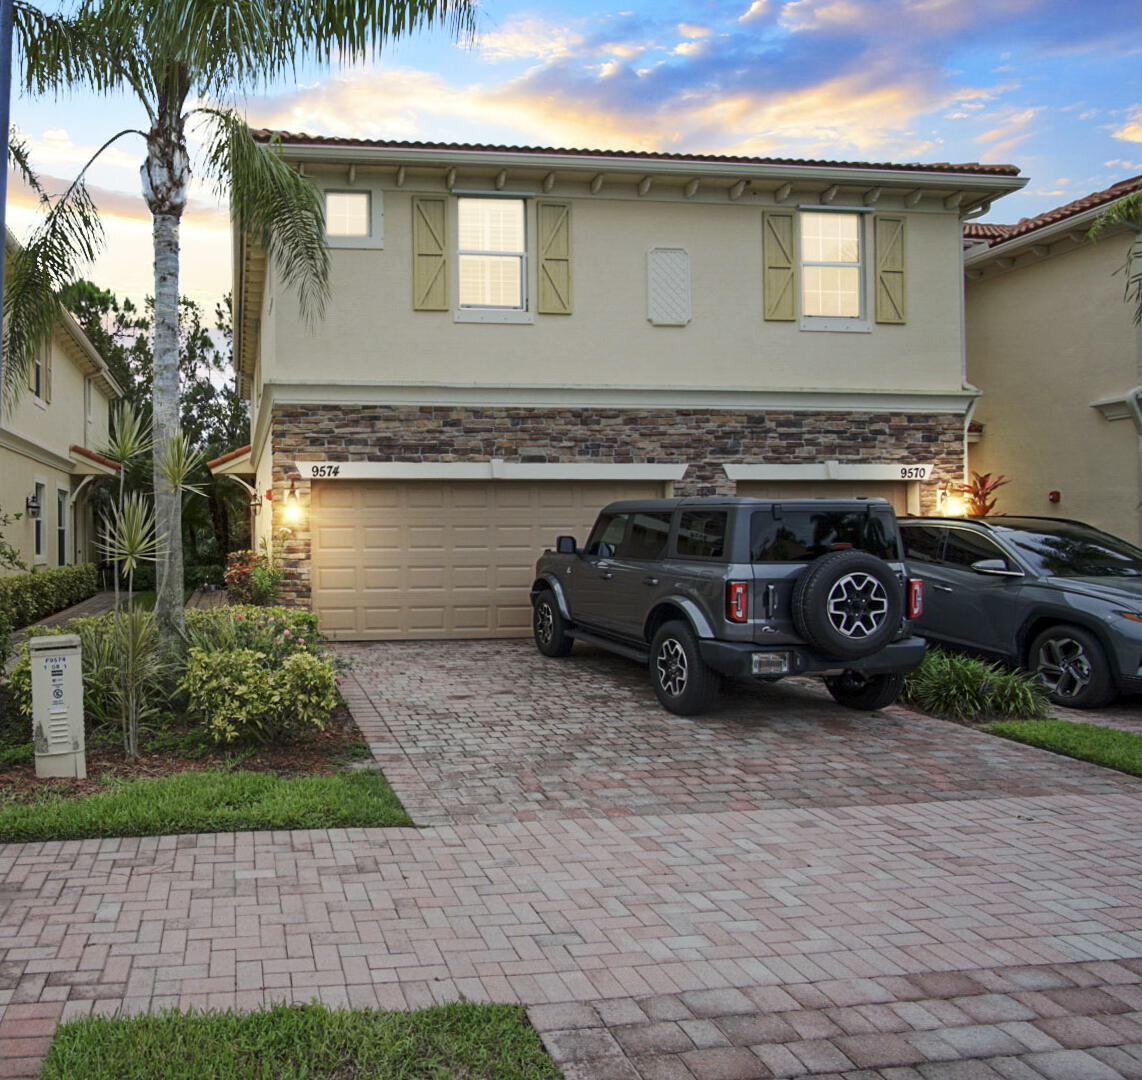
(995, 567)
(565, 545)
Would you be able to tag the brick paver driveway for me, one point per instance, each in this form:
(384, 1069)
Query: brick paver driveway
(780, 888)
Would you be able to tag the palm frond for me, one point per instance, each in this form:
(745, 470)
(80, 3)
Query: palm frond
(131, 436)
(130, 535)
(178, 461)
(58, 52)
(273, 205)
(1127, 212)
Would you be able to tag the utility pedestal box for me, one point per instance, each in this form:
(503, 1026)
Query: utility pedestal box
(57, 706)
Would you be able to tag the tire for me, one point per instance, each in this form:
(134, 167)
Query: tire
(865, 692)
(683, 681)
(548, 626)
(1072, 666)
(848, 604)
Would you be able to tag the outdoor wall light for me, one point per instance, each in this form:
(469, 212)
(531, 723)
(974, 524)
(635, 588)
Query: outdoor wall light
(948, 504)
(32, 506)
(292, 511)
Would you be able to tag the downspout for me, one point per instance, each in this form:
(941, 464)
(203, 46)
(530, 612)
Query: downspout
(1133, 399)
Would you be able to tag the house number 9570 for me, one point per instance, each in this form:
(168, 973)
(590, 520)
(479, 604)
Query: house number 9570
(318, 471)
(915, 472)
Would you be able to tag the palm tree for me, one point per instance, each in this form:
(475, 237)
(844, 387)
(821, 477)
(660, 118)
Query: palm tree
(187, 59)
(1127, 212)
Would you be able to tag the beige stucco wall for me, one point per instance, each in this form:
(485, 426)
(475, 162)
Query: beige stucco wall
(372, 334)
(35, 441)
(1045, 339)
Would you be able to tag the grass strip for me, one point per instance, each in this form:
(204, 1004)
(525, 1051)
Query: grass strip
(288, 1042)
(1121, 750)
(212, 800)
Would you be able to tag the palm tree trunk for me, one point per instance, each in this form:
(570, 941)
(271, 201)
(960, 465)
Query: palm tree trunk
(168, 502)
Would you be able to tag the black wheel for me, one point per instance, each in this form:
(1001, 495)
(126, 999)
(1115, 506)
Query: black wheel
(1072, 666)
(683, 681)
(865, 692)
(848, 604)
(548, 626)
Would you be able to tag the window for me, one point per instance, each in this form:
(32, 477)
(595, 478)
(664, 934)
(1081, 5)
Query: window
(923, 543)
(88, 396)
(648, 534)
(831, 273)
(966, 547)
(607, 535)
(41, 494)
(492, 253)
(807, 534)
(701, 534)
(354, 219)
(61, 528)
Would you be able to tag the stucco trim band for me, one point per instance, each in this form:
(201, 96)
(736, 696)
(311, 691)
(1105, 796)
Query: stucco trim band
(829, 470)
(496, 469)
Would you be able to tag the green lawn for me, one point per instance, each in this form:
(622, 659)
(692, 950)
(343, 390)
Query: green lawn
(1115, 749)
(211, 800)
(462, 1041)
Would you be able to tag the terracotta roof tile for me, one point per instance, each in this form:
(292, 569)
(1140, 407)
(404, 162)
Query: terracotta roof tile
(230, 456)
(301, 138)
(91, 455)
(996, 234)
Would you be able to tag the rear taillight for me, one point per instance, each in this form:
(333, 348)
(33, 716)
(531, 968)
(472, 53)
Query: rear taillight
(737, 601)
(915, 597)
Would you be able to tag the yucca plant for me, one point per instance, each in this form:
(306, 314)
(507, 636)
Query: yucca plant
(130, 439)
(130, 536)
(145, 667)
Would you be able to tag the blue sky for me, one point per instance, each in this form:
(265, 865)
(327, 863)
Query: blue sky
(1052, 86)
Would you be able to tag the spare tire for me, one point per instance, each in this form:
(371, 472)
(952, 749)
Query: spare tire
(848, 604)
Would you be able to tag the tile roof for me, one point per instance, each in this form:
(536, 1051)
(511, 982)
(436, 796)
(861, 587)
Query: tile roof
(91, 455)
(230, 456)
(302, 139)
(996, 234)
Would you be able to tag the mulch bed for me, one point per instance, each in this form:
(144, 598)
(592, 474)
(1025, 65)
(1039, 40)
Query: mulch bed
(321, 753)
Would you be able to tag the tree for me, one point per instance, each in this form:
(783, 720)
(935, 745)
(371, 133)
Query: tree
(1126, 212)
(170, 55)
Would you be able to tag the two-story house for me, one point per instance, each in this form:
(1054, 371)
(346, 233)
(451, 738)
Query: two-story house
(517, 336)
(49, 437)
(1053, 347)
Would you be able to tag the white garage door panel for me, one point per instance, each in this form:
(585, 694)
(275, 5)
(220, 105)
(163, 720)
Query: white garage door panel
(442, 559)
(896, 492)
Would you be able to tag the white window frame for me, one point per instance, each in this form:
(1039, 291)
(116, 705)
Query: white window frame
(479, 314)
(852, 324)
(63, 524)
(89, 398)
(40, 374)
(40, 490)
(375, 194)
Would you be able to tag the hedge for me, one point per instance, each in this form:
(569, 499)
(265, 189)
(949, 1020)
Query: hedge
(27, 598)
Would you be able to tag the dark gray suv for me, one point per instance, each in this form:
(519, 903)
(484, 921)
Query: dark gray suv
(760, 588)
(1057, 597)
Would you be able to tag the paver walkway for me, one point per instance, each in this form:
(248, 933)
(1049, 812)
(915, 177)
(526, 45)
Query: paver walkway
(782, 888)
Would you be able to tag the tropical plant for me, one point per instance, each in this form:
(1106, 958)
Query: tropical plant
(1127, 212)
(130, 439)
(9, 555)
(170, 57)
(979, 494)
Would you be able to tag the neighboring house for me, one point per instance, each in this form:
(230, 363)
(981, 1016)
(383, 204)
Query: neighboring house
(48, 457)
(1052, 345)
(517, 336)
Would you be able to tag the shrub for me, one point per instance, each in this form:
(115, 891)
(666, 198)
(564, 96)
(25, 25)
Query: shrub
(965, 688)
(251, 578)
(26, 598)
(240, 697)
(275, 631)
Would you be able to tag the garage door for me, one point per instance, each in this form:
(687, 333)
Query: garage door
(895, 491)
(442, 559)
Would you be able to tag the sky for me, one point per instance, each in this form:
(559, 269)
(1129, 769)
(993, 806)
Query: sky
(1052, 86)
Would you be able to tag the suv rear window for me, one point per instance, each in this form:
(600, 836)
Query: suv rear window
(806, 534)
(701, 534)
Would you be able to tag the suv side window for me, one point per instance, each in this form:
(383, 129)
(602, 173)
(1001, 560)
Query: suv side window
(966, 547)
(648, 536)
(607, 535)
(923, 543)
(796, 534)
(701, 534)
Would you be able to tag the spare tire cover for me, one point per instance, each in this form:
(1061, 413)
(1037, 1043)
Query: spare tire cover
(848, 604)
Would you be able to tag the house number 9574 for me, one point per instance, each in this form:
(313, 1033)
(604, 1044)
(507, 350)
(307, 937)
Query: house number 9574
(318, 471)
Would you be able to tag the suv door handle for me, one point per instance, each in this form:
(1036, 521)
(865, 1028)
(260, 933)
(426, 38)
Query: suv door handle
(607, 575)
(650, 581)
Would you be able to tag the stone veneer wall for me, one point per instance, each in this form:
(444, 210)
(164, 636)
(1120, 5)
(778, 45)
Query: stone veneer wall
(703, 439)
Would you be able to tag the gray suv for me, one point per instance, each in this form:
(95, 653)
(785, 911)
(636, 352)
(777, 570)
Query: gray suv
(1057, 597)
(761, 588)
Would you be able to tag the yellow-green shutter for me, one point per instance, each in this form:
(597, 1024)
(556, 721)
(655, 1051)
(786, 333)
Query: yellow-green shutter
(779, 252)
(890, 296)
(429, 254)
(47, 376)
(554, 229)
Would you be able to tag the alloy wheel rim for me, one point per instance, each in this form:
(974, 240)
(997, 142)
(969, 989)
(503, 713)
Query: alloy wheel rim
(672, 667)
(544, 623)
(857, 605)
(1063, 667)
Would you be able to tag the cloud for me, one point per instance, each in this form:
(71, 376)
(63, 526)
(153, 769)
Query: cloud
(689, 48)
(692, 30)
(755, 11)
(1131, 131)
(530, 38)
(1013, 128)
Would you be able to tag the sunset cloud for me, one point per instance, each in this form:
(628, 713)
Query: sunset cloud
(1131, 131)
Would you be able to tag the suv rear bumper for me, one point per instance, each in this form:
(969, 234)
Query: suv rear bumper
(736, 658)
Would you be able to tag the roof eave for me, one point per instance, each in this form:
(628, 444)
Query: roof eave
(1080, 222)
